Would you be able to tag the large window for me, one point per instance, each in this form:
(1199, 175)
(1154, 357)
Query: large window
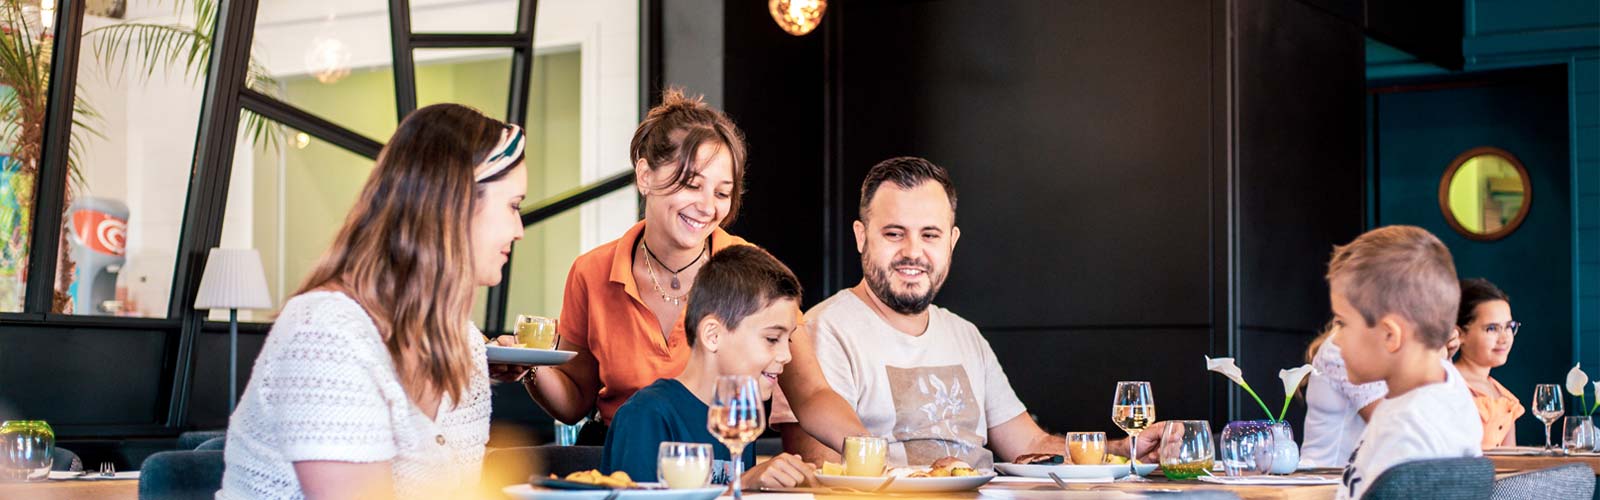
(582, 108)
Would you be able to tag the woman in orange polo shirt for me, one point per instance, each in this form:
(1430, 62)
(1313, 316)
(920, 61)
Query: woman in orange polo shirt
(622, 310)
(1487, 331)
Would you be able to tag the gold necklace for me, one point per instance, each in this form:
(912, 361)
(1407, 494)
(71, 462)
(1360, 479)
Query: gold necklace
(676, 301)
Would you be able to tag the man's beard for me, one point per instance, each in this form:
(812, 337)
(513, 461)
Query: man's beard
(911, 303)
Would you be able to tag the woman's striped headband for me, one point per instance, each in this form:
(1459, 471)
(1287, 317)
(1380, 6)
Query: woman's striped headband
(507, 153)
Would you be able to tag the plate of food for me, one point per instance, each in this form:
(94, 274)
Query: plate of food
(947, 474)
(592, 485)
(1042, 465)
(527, 356)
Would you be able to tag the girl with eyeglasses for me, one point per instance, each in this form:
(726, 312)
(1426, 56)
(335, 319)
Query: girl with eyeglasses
(1487, 331)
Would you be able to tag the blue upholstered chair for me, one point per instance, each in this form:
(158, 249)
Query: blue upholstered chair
(192, 439)
(1439, 479)
(1564, 482)
(181, 475)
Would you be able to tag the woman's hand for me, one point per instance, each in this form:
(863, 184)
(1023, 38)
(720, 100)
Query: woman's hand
(783, 471)
(506, 373)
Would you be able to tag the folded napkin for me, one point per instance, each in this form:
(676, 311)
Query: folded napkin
(1514, 451)
(1271, 480)
(92, 476)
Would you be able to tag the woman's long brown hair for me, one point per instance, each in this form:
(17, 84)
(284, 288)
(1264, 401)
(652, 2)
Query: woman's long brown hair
(404, 253)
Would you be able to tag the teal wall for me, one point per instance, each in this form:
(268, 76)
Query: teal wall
(1501, 34)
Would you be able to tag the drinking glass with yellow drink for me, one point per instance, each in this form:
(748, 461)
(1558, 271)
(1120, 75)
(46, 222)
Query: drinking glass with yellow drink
(684, 465)
(865, 455)
(536, 332)
(1086, 448)
(1186, 449)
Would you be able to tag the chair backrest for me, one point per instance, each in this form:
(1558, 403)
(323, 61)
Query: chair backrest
(1562, 482)
(213, 444)
(181, 475)
(508, 466)
(190, 440)
(65, 460)
(1470, 478)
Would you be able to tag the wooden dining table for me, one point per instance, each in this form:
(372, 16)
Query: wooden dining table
(126, 489)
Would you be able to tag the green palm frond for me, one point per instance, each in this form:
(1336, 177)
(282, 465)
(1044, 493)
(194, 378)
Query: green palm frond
(150, 47)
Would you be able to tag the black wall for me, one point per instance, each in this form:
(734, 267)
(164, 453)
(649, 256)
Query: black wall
(1137, 189)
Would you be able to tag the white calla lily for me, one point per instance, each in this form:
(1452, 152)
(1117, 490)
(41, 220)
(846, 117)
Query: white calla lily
(1575, 380)
(1292, 377)
(1226, 367)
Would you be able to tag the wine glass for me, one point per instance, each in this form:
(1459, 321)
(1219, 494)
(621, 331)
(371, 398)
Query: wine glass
(735, 419)
(1547, 407)
(1133, 409)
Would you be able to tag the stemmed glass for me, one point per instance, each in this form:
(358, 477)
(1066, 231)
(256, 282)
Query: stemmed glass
(1133, 409)
(736, 418)
(1547, 407)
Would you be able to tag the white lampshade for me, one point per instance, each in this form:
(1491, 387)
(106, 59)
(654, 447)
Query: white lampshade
(233, 280)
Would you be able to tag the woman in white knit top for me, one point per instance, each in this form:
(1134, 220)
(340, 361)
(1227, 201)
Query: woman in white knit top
(372, 382)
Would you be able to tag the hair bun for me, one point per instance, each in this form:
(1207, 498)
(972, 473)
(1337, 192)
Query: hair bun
(676, 99)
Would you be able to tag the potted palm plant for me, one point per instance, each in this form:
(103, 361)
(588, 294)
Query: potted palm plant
(135, 47)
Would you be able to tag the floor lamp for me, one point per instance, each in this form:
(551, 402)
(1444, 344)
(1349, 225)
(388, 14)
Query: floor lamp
(233, 280)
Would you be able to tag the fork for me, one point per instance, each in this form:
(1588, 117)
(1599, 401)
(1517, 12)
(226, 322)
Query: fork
(107, 469)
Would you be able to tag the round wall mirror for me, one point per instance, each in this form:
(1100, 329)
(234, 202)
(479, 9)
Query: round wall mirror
(1485, 194)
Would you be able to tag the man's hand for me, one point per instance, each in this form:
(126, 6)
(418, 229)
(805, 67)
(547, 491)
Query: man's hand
(506, 373)
(1149, 442)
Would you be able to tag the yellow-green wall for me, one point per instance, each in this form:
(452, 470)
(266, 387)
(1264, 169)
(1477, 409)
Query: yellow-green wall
(1466, 196)
(321, 181)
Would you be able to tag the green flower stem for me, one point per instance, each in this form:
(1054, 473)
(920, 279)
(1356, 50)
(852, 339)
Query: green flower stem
(1258, 400)
(1286, 398)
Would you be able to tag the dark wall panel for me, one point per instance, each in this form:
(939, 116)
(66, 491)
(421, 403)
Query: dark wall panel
(1261, 355)
(777, 101)
(1077, 135)
(1300, 127)
(1066, 377)
(208, 399)
(84, 376)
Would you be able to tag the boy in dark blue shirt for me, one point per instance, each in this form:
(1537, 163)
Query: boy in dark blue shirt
(743, 308)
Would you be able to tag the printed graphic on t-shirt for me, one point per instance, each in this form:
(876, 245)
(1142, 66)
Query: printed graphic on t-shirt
(937, 414)
(1352, 476)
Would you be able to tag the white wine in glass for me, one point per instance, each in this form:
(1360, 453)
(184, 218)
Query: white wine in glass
(1133, 409)
(736, 418)
(1547, 407)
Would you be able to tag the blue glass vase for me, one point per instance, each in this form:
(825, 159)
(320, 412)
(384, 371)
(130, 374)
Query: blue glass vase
(1285, 452)
(1248, 447)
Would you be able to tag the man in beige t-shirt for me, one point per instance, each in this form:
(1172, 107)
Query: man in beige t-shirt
(917, 374)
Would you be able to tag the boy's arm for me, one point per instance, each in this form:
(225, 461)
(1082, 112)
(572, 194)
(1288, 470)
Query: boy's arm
(822, 413)
(633, 442)
(798, 442)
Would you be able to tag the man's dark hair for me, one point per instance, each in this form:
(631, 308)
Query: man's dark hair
(1476, 291)
(735, 283)
(907, 172)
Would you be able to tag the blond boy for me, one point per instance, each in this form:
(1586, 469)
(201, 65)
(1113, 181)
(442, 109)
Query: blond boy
(1394, 294)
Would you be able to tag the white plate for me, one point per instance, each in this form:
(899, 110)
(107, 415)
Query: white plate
(525, 492)
(1070, 471)
(907, 484)
(525, 356)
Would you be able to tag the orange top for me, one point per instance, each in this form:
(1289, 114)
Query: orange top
(602, 312)
(1499, 413)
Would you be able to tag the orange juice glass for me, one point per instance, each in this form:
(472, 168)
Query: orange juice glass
(865, 455)
(1086, 448)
